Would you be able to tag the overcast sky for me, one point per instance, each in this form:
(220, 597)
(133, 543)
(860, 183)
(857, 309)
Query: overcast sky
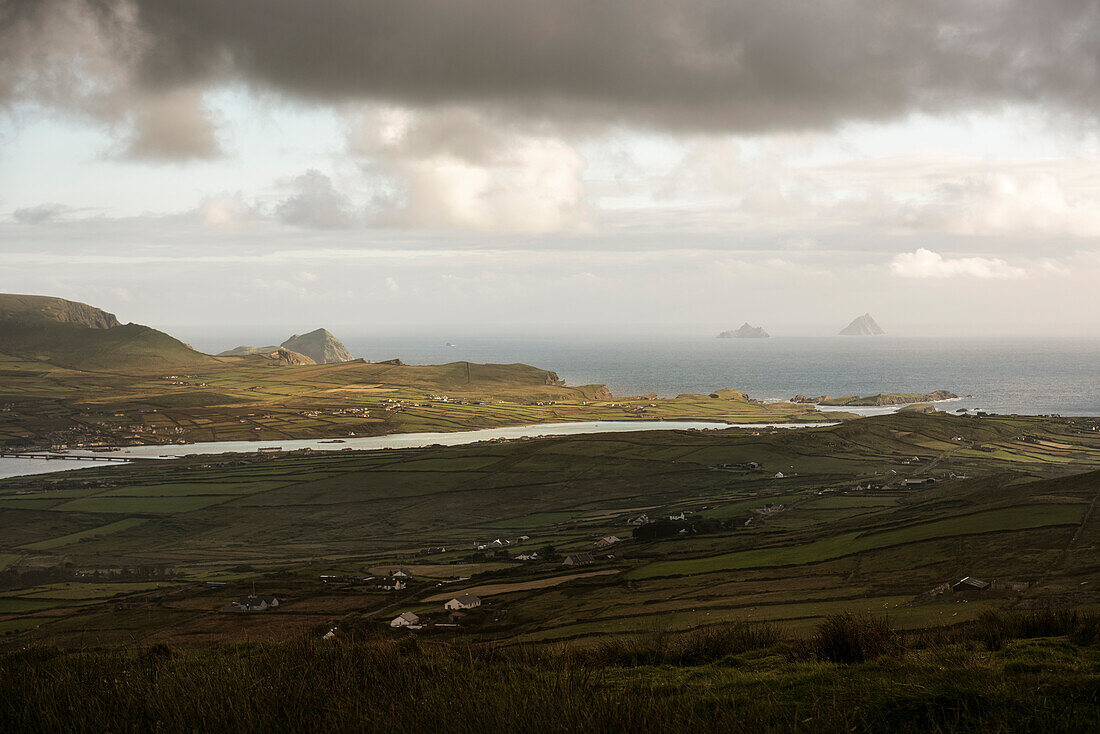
(492, 164)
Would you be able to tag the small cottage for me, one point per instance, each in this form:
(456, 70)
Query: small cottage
(405, 619)
(466, 601)
(578, 559)
(968, 583)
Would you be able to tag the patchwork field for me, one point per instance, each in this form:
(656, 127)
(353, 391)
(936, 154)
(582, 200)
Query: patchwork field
(155, 551)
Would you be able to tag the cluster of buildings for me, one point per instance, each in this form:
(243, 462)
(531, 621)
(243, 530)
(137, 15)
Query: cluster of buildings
(500, 543)
(972, 584)
(456, 609)
(254, 603)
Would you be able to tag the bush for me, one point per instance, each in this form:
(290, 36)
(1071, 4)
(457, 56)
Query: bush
(850, 638)
(994, 628)
(697, 647)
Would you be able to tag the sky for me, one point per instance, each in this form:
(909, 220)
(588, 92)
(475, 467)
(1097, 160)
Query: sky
(626, 165)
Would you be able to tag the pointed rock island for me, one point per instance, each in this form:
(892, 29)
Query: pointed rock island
(863, 325)
(745, 332)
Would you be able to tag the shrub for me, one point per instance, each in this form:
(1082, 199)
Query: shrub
(851, 638)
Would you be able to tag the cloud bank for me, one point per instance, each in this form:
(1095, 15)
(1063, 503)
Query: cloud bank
(925, 263)
(729, 65)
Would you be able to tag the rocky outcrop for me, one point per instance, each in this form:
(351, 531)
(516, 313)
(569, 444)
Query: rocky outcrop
(877, 400)
(745, 331)
(320, 346)
(244, 351)
(863, 325)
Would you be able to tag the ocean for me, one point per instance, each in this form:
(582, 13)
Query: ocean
(1028, 376)
(1004, 375)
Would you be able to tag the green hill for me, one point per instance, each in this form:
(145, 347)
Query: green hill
(77, 335)
(49, 310)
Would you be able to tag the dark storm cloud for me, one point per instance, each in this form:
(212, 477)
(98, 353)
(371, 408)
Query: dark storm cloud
(744, 65)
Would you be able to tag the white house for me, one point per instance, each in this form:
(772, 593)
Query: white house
(680, 516)
(405, 619)
(466, 601)
(528, 556)
(402, 573)
(609, 540)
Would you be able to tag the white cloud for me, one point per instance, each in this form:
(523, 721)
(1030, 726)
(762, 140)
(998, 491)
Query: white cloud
(925, 263)
(227, 211)
(457, 168)
(392, 285)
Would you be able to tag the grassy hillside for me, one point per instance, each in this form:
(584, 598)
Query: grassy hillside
(122, 349)
(15, 308)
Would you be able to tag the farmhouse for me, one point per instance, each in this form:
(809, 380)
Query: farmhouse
(466, 601)
(969, 583)
(609, 540)
(402, 573)
(639, 520)
(528, 556)
(256, 603)
(917, 482)
(578, 559)
(405, 619)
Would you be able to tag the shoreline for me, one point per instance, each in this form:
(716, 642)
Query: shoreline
(384, 442)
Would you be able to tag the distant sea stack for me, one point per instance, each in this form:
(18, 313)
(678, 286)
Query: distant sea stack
(863, 325)
(745, 332)
(320, 346)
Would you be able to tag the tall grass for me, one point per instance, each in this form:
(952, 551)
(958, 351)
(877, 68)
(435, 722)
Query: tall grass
(852, 638)
(662, 682)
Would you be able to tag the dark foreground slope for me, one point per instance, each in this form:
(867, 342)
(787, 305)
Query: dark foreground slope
(852, 674)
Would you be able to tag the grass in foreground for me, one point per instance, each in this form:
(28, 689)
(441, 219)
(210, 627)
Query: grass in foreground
(853, 674)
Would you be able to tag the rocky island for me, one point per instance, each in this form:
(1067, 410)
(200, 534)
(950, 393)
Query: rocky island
(746, 331)
(863, 325)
